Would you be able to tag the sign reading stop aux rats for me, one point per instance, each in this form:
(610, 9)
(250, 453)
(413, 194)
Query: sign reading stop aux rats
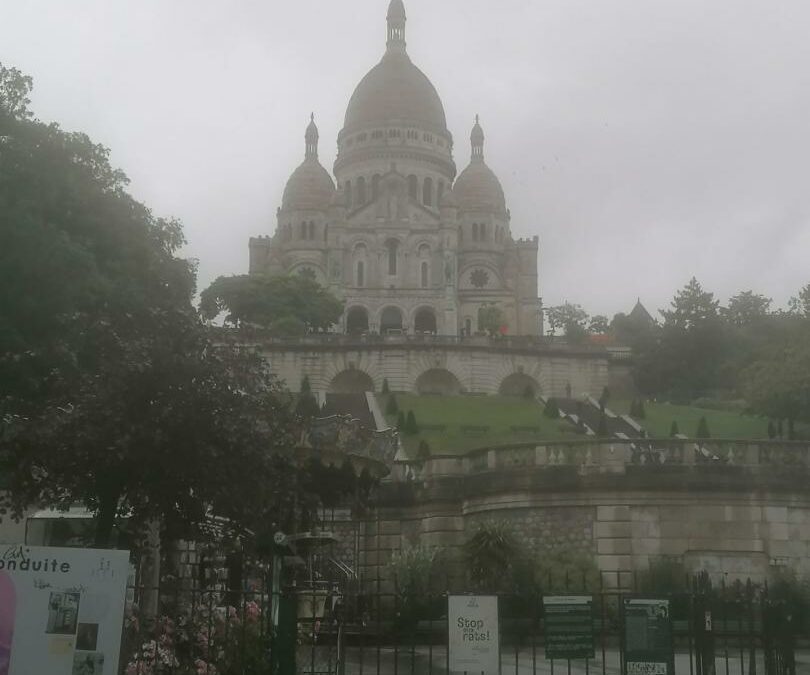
(473, 636)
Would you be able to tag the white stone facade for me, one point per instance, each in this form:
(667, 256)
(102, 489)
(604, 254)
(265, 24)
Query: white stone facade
(408, 246)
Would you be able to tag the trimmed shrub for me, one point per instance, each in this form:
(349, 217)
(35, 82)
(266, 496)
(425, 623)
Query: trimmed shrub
(401, 421)
(411, 427)
(424, 450)
(673, 430)
(552, 411)
(385, 389)
(602, 431)
(703, 429)
(392, 407)
(771, 430)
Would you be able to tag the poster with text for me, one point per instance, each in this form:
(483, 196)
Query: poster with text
(61, 610)
(473, 635)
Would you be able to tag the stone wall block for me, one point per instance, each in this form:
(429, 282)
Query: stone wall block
(443, 524)
(778, 531)
(608, 513)
(388, 527)
(649, 546)
(613, 530)
(609, 563)
(775, 514)
(614, 546)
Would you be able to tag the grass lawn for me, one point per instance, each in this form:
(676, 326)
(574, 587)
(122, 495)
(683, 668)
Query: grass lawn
(499, 413)
(722, 424)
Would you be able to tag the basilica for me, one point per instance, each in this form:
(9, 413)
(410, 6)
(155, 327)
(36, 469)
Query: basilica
(409, 246)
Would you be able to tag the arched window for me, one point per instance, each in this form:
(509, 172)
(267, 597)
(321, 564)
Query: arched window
(312, 230)
(424, 275)
(348, 191)
(361, 273)
(475, 232)
(392, 245)
(439, 192)
(361, 191)
(427, 192)
(413, 187)
(468, 326)
(303, 230)
(375, 187)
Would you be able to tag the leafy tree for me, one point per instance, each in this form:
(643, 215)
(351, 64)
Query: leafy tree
(551, 410)
(674, 430)
(777, 384)
(691, 307)
(570, 318)
(528, 392)
(800, 305)
(280, 303)
(392, 408)
(491, 320)
(702, 429)
(746, 308)
(15, 89)
(114, 394)
(685, 360)
(599, 325)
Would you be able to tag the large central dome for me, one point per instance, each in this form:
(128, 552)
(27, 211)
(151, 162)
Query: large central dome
(396, 91)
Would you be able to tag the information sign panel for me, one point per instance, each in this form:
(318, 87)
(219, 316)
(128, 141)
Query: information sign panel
(647, 636)
(568, 626)
(473, 637)
(61, 610)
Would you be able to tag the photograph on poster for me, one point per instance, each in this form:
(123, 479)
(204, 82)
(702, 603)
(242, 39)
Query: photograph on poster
(87, 637)
(63, 613)
(85, 663)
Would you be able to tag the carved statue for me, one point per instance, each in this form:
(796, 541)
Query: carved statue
(449, 269)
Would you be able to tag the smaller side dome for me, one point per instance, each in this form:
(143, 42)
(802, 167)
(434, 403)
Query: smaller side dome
(478, 188)
(310, 186)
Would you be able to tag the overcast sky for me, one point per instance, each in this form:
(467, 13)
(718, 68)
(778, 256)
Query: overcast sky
(644, 141)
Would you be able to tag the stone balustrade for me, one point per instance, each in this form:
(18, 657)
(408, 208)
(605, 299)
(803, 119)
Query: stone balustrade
(622, 456)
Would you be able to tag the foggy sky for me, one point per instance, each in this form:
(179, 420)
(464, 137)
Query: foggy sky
(644, 141)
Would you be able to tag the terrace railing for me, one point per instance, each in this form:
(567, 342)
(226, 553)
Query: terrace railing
(621, 456)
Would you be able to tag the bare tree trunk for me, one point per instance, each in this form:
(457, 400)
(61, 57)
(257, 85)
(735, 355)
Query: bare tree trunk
(150, 572)
(105, 518)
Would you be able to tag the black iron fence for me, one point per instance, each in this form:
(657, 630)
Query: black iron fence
(320, 629)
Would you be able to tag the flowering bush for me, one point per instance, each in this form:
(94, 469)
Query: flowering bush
(202, 638)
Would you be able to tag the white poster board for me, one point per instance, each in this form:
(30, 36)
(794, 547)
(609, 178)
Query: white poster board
(473, 637)
(61, 610)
